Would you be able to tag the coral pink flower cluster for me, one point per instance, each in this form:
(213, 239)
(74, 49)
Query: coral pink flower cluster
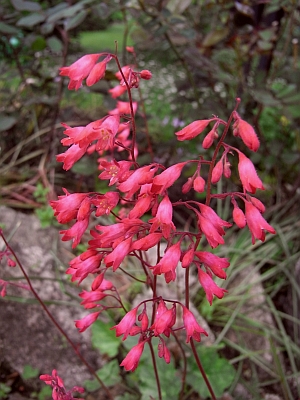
(146, 218)
(58, 389)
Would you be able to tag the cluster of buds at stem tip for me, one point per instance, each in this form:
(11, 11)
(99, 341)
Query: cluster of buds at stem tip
(145, 220)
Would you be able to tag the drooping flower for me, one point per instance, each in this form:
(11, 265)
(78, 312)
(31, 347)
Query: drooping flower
(168, 263)
(71, 156)
(213, 237)
(126, 323)
(163, 218)
(116, 257)
(193, 329)
(80, 69)
(246, 132)
(75, 232)
(163, 351)
(192, 130)
(215, 263)
(58, 389)
(217, 171)
(105, 203)
(248, 175)
(85, 322)
(67, 206)
(239, 217)
(209, 286)
(199, 184)
(256, 223)
(132, 359)
(86, 263)
(166, 179)
(164, 321)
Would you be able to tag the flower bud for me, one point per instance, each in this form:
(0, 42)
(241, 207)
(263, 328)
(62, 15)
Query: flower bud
(145, 74)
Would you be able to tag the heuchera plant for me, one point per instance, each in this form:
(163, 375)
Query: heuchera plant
(145, 220)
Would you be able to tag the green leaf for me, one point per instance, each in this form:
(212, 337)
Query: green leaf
(45, 393)
(215, 37)
(65, 13)
(219, 371)
(54, 44)
(39, 44)
(76, 20)
(104, 339)
(266, 34)
(21, 5)
(29, 372)
(109, 374)
(263, 45)
(31, 20)
(8, 29)
(6, 122)
(178, 6)
(47, 28)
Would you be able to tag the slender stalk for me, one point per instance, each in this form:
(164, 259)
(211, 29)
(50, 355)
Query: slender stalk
(53, 320)
(155, 370)
(197, 359)
(208, 191)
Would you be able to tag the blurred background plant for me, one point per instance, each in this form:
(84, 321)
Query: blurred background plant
(202, 54)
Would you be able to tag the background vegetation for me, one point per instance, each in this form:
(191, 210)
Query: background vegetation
(203, 54)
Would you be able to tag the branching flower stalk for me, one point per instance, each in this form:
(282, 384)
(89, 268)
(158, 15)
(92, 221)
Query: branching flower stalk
(144, 223)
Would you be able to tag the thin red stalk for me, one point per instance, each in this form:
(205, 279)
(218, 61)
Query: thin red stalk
(132, 119)
(226, 129)
(53, 320)
(197, 359)
(181, 394)
(155, 370)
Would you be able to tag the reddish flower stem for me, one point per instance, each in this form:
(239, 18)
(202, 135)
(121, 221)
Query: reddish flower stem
(197, 359)
(53, 320)
(155, 370)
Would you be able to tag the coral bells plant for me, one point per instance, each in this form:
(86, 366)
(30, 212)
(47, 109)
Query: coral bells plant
(145, 220)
